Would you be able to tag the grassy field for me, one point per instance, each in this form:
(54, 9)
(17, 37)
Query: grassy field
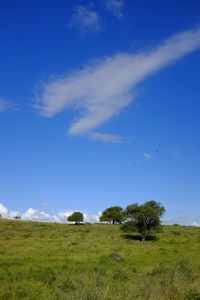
(57, 261)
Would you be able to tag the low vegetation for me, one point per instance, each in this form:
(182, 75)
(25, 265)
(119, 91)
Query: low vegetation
(98, 261)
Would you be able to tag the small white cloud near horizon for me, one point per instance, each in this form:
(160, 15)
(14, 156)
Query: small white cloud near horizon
(34, 215)
(39, 216)
(3, 210)
(13, 214)
(85, 20)
(115, 7)
(195, 224)
(101, 89)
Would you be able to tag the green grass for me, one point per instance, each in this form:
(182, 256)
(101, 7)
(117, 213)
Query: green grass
(56, 261)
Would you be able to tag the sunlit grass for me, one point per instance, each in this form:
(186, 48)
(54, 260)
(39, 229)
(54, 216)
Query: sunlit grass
(57, 261)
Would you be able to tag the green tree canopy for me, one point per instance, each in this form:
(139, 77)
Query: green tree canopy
(144, 218)
(76, 217)
(113, 214)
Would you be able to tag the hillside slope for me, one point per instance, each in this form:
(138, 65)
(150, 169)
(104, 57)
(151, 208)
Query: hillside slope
(58, 261)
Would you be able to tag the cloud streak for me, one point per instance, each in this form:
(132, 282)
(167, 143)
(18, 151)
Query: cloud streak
(101, 89)
(147, 156)
(105, 138)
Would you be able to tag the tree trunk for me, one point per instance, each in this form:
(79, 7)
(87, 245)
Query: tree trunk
(143, 237)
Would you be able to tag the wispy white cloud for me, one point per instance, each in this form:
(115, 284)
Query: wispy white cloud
(40, 216)
(102, 88)
(4, 104)
(148, 156)
(85, 20)
(115, 6)
(105, 138)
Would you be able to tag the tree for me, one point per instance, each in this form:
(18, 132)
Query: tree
(76, 217)
(17, 217)
(144, 218)
(113, 214)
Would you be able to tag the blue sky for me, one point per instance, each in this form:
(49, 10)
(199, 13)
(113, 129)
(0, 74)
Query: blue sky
(99, 106)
